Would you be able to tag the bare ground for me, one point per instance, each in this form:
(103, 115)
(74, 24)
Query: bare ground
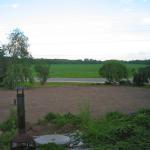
(102, 99)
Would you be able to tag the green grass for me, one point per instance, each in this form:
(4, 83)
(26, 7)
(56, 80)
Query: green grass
(75, 70)
(81, 70)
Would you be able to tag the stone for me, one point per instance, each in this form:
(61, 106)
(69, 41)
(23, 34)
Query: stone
(80, 144)
(53, 138)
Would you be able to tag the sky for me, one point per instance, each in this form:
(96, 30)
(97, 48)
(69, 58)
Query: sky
(79, 29)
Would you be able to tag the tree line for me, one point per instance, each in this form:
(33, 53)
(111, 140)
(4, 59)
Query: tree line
(84, 61)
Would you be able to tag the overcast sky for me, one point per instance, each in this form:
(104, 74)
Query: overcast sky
(78, 29)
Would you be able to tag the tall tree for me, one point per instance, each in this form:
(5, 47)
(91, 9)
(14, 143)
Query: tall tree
(18, 71)
(17, 46)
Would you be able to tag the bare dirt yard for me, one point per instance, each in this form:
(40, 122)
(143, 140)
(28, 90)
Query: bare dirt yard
(102, 99)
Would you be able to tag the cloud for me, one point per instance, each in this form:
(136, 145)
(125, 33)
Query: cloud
(138, 55)
(146, 21)
(131, 1)
(129, 10)
(126, 1)
(16, 5)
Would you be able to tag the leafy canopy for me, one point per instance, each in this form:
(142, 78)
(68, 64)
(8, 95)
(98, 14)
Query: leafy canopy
(142, 76)
(17, 46)
(113, 70)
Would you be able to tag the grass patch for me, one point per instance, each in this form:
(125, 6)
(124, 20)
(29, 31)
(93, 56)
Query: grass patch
(115, 131)
(75, 70)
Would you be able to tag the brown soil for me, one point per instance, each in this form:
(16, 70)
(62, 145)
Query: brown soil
(102, 99)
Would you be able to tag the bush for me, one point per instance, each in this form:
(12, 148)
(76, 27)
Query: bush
(124, 132)
(142, 120)
(50, 116)
(142, 76)
(113, 70)
(42, 72)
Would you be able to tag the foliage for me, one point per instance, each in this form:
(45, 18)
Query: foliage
(65, 61)
(119, 131)
(142, 76)
(61, 120)
(10, 123)
(2, 52)
(85, 61)
(115, 131)
(17, 75)
(79, 120)
(3, 65)
(17, 46)
(42, 72)
(18, 70)
(8, 129)
(113, 71)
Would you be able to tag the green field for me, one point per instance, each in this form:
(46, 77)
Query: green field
(81, 70)
(75, 70)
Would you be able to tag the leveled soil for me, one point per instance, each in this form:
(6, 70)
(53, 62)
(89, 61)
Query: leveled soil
(102, 99)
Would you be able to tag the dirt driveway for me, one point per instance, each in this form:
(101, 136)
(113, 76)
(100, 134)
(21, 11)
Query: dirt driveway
(102, 99)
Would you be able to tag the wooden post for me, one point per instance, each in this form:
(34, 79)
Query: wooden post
(20, 110)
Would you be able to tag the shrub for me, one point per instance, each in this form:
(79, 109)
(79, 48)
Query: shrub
(124, 132)
(113, 70)
(144, 111)
(142, 120)
(50, 116)
(42, 72)
(142, 76)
